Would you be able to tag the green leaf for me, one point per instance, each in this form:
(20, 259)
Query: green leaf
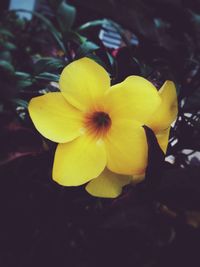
(5, 55)
(24, 83)
(48, 64)
(86, 48)
(156, 160)
(110, 58)
(93, 23)
(8, 45)
(66, 15)
(54, 3)
(161, 24)
(56, 34)
(20, 102)
(5, 32)
(24, 79)
(22, 75)
(4, 65)
(194, 16)
(76, 37)
(48, 77)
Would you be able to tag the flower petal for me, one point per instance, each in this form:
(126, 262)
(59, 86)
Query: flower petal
(79, 161)
(134, 98)
(83, 82)
(138, 178)
(168, 109)
(107, 184)
(55, 118)
(163, 139)
(126, 148)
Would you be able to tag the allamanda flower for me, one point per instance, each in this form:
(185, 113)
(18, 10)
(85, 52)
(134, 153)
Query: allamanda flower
(99, 127)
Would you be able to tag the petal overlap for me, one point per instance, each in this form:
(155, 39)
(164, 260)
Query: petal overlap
(134, 98)
(108, 184)
(168, 109)
(163, 139)
(126, 147)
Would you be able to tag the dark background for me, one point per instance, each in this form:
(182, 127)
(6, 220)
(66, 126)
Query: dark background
(154, 224)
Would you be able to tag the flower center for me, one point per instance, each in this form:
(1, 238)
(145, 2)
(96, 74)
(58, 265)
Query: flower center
(98, 123)
(101, 119)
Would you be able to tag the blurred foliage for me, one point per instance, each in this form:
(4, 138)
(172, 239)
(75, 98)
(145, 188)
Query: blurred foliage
(155, 223)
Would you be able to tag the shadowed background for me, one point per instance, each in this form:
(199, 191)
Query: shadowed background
(151, 225)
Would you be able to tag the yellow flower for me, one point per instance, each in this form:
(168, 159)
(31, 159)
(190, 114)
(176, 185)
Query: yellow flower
(99, 127)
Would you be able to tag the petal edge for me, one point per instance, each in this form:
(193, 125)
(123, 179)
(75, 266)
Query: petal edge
(78, 161)
(107, 184)
(55, 118)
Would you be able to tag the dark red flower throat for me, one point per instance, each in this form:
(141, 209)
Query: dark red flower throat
(98, 122)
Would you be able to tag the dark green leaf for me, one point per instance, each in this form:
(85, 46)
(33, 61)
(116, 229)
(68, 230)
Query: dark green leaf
(6, 66)
(66, 16)
(20, 102)
(86, 48)
(93, 23)
(5, 32)
(76, 37)
(50, 26)
(54, 3)
(24, 83)
(48, 77)
(23, 79)
(48, 64)
(22, 75)
(5, 55)
(156, 159)
(8, 45)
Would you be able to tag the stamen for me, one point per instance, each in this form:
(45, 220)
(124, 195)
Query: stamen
(98, 123)
(101, 119)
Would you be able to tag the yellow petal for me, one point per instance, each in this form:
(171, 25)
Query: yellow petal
(55, 118)
(107, 184)
(135, 98)
(137, 178)
(168, 109)
(163, 139)
(126, 147)
(83, 82)
(79, 161)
